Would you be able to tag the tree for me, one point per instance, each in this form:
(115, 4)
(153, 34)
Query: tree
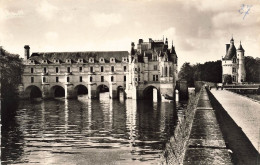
(252, 67)
(186, 73)
(11, 69)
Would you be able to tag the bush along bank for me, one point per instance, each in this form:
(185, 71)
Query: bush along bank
(175, 149)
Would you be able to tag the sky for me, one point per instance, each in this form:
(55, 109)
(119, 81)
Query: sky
(199, 29)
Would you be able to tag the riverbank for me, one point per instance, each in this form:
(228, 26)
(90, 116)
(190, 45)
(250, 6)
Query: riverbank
(175, 148)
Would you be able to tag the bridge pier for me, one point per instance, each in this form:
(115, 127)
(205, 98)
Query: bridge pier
(46, 91)
(70, 92)
(92, 91)
(112, 90)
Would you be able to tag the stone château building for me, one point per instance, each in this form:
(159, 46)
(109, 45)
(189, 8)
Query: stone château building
(233, 64)
(152, 65)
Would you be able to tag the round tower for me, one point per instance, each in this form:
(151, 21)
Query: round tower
(241, 64)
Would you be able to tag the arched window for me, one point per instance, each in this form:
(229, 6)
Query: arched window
(166, 71)
(112, 69)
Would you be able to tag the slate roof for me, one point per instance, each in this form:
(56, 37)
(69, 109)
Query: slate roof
(74, 56)
(240, 47)
(230, 53)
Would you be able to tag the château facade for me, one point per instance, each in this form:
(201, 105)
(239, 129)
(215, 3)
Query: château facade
(233, 64)
(150, 67)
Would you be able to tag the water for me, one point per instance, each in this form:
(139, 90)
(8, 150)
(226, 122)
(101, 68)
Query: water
(87, 131)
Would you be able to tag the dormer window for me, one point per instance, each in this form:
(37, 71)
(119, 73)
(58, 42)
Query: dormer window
(91, 60)
(31, 62)
(124, 59)
(234, 60)
(80, 60)
(56, 61)
(101, 60)
(68, 60)
(112, 60)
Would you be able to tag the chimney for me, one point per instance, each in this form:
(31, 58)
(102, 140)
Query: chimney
(140, 41)
(227, 47)
(27, 51)
(150, 40)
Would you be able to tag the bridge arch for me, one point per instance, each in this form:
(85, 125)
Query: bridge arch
(57, 91)
(151, 93)
(81, 90)
(120, 92)
(33, 91)
(101, 89)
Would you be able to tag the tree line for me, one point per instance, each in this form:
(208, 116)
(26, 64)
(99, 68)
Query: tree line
(212, 71)
(11, 70)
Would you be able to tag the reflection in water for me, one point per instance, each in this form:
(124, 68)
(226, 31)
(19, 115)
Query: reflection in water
(101, 131)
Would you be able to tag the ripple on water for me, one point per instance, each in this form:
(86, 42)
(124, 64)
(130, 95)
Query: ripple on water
(79, 131)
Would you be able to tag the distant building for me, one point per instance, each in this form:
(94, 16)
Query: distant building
(233, 64)
(151, 66)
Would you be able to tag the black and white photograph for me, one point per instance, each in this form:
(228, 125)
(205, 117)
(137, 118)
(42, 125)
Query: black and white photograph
(130, 82)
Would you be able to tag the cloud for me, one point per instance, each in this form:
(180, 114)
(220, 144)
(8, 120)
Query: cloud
(233, 19)
(6, 14)
(46, 9)
(106, 20)
(51, 36)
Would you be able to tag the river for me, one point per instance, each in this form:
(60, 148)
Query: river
(85, 131)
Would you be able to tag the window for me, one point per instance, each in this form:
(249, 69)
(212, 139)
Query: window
(139, 79)
(102, 69)
(170, 70)
(102, 78)
(80, 79)
(80, 69)
(155, 78)
(91, 60)
(57, 79)
(57, 70)
(112, 78)
(90, 79)
(112, 60)
(155, 67)
(124, 78)
(44, 79)
(32, 79)
(124, 68)
(91, 69)
(31, 70)
(68, 69)
(234, 70)
(45, 70)
(166, 71)
(68, 79)
(112, 69)
(234, 60)
(135, 69)
(234, 78)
